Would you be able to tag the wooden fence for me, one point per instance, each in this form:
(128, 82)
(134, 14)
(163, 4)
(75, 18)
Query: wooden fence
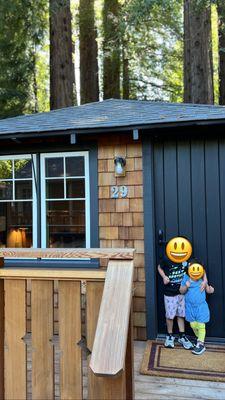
(108, 327)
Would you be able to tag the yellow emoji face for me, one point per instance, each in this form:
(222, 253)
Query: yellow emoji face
(195, 271)
(178, 249)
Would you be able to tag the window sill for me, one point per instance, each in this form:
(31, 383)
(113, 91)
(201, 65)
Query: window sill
(56, 264)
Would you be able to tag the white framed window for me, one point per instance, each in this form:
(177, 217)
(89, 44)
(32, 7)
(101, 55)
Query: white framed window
(18, 201)
(65, 200)
(62, 206)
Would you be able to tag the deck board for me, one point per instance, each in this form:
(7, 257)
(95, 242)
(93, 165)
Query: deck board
(154, 388)
(157, 388)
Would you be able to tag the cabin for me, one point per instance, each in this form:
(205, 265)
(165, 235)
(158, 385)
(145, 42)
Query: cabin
(88, 197)
(116, 174)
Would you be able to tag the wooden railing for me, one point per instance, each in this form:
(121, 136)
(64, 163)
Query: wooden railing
(107, 329)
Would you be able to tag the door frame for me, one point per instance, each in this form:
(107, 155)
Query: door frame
(149, 239)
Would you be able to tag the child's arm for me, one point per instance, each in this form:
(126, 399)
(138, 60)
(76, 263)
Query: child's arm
(184, 288)
(204, 283)
(209, 289)
(163, 275)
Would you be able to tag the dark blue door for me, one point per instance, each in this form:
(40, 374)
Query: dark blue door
(189, 189)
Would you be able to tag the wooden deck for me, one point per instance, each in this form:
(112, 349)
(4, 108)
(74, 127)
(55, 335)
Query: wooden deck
(147, 387)
(155, 388)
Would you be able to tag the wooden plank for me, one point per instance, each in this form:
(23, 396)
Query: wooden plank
(15, 348)
(93, 302)
(69, 336)
(109, 349)
(49, 274)
(2, 333)
(99, 388)
(42, 333)
(116, 254)
(129, 363)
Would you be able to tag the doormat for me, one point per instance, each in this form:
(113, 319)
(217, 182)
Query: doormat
(180, 363)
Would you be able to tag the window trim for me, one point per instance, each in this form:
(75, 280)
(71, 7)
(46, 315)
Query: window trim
(43, 157)
(34, 192)
(92, 148)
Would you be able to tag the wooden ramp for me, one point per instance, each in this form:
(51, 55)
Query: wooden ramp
(104, 331)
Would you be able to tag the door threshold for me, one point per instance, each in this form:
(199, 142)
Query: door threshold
(212, 340)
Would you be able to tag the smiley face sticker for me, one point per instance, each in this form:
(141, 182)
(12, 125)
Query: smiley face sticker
(195, 271)
(178, 249)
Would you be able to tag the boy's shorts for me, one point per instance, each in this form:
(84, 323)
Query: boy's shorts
(174, 306)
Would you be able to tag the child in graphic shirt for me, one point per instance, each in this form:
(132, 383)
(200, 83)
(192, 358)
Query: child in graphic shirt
(172, 270)
(196, 307)
(172, 275)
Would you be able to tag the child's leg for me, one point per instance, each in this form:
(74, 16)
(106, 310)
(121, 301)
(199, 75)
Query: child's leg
(169, 325)
(201, 332)
(183, 339)
(194, 326)
(200, 347)
(170, 314)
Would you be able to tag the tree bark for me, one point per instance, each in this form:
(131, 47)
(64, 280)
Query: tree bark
(62, 74)
(198, 66)
(89, 90)
(111, 50)
(126, 75)
(221, 31)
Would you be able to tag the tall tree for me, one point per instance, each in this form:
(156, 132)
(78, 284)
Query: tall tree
(89, 90)
(221, 31)
(151, 49)
(198, 65)
(126, 75)
(62, 74)
(22, 29)
(111, 49)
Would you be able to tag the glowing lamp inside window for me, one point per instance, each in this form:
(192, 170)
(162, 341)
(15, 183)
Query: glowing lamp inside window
(120, 163)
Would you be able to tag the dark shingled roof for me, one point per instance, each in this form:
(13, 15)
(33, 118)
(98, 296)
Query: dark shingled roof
(111, 114)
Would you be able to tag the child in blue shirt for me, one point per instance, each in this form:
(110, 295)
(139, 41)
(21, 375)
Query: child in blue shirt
(196, 307)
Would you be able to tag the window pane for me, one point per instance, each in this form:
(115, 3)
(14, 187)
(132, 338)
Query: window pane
(54, 167)
(74, 166)
(66, 224)
(16, 224)
(6, 190)
(5, 169)
(75, 188)
(23, 190)
(55, 189)
(23, 169)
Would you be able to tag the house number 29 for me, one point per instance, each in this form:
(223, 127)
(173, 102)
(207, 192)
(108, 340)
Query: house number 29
(119, 192)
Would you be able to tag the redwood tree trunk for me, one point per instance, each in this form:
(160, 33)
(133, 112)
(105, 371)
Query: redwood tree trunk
(111, 50)
(89, 90)
(126, 75)
(198, 66)
(221, 29)
(62, 75)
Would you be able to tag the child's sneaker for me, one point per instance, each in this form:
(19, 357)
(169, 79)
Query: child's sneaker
(185, 342)
(169, 342)
(199, 349)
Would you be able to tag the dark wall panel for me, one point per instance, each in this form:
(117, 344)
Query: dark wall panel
(170, 189)
(184, 189)
(221, 297)
(214, 248)
(198, 199)
(189, 178)
(159, 186)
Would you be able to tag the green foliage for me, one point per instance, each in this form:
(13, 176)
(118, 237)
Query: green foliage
(23, 24)
(154, 48)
